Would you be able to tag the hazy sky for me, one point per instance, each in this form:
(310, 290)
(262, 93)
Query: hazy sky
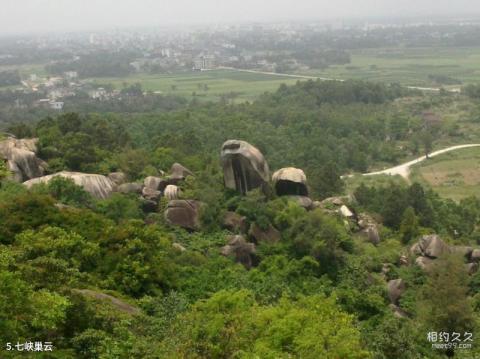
(65, 15)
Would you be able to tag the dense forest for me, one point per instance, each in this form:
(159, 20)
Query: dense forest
(259, 275)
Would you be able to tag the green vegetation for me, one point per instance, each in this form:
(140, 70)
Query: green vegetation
(206, 85)
(428, 67)
(105, 279)
(454, 175)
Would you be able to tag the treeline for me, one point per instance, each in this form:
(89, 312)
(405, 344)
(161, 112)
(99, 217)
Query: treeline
(97, 64)
(9, 78)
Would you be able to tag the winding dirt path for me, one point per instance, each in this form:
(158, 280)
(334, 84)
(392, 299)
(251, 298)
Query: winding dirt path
(404, 169)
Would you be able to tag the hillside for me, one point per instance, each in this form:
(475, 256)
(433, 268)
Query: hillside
(224, 231)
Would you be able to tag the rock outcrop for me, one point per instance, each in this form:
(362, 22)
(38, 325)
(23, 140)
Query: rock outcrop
(432, 246)
(172, 192)
(98, 186)
(302, 201)
(395, 289)
(235, 222)
(243, 251)
(130, 188)
(152, 183)
(118, 178)
(244, 167)
(183, 213)
(21, 159)
(269, 235)
(290, 181)
(179, 172)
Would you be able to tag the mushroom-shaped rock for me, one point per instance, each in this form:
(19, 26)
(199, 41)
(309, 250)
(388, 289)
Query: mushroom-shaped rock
(235, 222)
(172, 192)
(302, 201)
(244, 167)
(243, 251)
(118, 178)
(432, 246)
(424, 262)
(395, 288)
(98, 186)
(269, 235)
(115, 302)
(179, 172)
(21, 158)
(130, 188)
(152, 182)
(183, 213)
(290, 181)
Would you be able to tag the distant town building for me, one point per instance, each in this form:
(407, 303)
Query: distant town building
(71, 75)
(206, 62)
(98, 93)
(33, 77)
(56, 105)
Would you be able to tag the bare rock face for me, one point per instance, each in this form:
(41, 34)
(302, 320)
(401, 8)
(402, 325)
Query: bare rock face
(172, 192)
(98, 186)
(151, 194)
(475, 256)
(244, 167)
(270, 235)
(395, 289)
(130, 188)
(179, 172)
(424, 262)
(432, 246)
(371, 233)
(235, 222)
(152, 182)
(464, 251)
(21, 158)
(243, 251)
(118, 178)
(179, 247)
(398, 312)
(472, 268)
(346, 212)
(183, 213)
(290, 182)
(302, 201)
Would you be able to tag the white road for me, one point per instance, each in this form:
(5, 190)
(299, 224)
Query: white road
(306, 77)
(404, 169)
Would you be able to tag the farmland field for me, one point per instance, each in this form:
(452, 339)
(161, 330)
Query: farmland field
(410, 66)
(454, 175)
(206, 85)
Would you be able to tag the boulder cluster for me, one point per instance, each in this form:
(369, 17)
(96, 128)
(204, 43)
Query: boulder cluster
(21, 158)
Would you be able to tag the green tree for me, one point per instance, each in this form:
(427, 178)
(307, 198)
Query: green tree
(409, 227)
(444, 305)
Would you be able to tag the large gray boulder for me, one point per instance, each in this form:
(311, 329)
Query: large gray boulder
(172, 192)
(302, 201)
(130, 188)
(235, 222)
(432, 246)
(21, 158)
(98, 186)
(290, 181)
(269, 235)
(152, 183)
(184, 213)
(244, 167)
(179, 172)
(243, 251)
(395, 289)
(118, 178)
